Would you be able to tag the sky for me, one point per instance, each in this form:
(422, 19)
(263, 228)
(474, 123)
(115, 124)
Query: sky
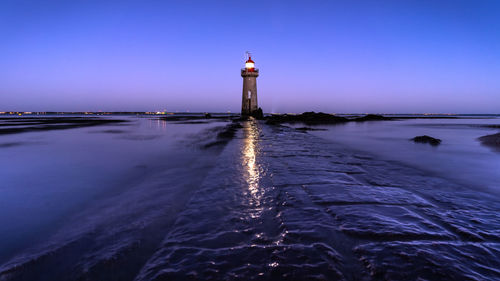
(422, 56)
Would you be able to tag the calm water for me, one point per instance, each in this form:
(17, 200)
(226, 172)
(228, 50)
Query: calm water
(156, 200)
(48, 176)
(460, 157)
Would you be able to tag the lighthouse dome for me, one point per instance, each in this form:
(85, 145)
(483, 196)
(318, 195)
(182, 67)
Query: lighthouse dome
(249, 64)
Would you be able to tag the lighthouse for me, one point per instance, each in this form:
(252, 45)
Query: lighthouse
(249, 101)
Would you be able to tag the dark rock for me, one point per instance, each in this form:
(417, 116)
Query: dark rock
(309, 118)
(491, 141)
(372, 117)
(427, 139)
(258, 114)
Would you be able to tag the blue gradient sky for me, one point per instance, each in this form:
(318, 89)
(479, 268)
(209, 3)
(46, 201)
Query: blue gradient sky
(335, 56)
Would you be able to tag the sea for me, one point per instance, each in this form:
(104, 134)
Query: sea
(217, 199)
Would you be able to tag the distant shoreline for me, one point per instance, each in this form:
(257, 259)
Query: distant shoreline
(165, 113)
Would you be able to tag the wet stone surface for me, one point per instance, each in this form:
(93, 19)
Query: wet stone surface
(431, 260)
(382, 219)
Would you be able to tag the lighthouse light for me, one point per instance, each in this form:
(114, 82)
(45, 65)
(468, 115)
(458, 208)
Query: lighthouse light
(249, 65)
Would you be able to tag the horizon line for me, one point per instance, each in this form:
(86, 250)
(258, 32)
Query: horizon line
(218, 112)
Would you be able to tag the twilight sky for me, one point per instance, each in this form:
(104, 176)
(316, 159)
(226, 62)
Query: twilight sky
(334, 56)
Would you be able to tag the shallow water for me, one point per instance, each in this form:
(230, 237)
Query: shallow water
(460, 157)
(150, 200)
(47, 176)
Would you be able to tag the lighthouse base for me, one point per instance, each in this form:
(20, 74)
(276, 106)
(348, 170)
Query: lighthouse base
(257, 114)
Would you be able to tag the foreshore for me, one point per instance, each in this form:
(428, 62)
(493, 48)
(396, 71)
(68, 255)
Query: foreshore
(16, 125)
(271, 202)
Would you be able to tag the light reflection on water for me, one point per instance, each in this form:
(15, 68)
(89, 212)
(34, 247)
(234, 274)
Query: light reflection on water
(251, 169)
(157, 124)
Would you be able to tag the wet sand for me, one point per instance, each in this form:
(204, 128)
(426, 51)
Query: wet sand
(16, 125)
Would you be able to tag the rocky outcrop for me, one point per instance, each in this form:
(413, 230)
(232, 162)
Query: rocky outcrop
(426, 139)
(320, 118)
(309, 118)
(491, 141)
(258, 114)
(372, 117)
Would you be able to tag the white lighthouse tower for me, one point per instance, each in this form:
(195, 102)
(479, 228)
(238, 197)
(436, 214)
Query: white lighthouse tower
(249, 101)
